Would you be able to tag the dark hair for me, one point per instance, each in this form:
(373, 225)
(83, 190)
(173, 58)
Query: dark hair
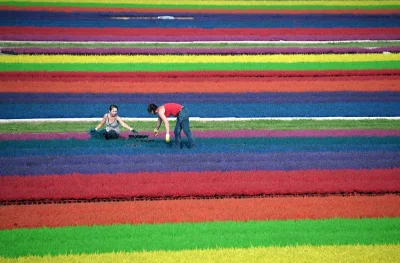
(112, 106)
(152, 107)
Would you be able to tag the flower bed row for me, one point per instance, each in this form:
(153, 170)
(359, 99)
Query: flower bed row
(206, 66)
(199, 82)
(188, 236)
(195, 51)
(198, 59)
(27, 33)
(197, 210)
(254, 6)
(203, 98)
(296, 254)
(220, 145)
(194, 20)
(201, 45)
(173, 76)
(212, 134)
(202, 184)
(236, 161)
(206, 110)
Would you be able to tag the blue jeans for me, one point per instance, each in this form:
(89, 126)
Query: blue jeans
(182, 123)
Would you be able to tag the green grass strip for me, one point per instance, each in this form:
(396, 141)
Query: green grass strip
(149, 67)
(373, 124)
(227, 6)
(173, 237)
(372, 44)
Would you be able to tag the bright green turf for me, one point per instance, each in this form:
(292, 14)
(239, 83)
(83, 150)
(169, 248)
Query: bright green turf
(101, 239)
(379, 124)
(207, 6)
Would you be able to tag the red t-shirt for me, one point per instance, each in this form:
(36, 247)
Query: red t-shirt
(172, 109)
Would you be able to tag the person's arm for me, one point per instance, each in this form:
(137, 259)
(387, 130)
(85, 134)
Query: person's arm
(161, 115)
(102, 122)
(159, 122)
(163, 118)
(126, 126)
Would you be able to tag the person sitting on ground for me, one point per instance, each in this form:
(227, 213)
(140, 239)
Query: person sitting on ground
(112, 121)
(182, 121)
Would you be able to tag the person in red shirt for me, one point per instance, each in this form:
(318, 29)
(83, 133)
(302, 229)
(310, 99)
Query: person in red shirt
(182, 121)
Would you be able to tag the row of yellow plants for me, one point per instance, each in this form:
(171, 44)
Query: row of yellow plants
(295, 254)
(165, 59)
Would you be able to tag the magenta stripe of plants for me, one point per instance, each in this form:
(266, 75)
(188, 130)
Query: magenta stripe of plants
(212, 134)
(199, 50)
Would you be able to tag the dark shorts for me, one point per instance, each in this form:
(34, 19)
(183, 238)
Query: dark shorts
(111, 135)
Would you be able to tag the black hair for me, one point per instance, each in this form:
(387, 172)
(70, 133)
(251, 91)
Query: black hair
(112, 106)
(152, 107)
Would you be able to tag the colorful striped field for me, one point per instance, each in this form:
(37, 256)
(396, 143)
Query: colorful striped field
(294, 105)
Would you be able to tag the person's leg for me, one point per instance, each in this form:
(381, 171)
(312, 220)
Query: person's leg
(107, 135)
(177, 132)
(186, 126)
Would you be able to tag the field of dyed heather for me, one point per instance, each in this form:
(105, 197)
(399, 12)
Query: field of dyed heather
(294, 105)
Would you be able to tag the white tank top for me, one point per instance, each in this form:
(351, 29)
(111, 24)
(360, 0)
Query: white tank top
(112, 126)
